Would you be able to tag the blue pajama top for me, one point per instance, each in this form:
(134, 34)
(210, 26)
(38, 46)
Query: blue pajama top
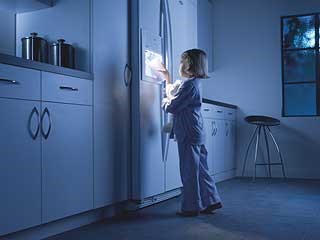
(185, 106)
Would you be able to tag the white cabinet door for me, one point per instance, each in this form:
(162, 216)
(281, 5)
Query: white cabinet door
(20, 165)
(230, 145)
(219, 147)
(111, 101)
(173, 179)
(67, 160)
(209, 130)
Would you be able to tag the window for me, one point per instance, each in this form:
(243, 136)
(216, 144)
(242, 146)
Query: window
(300, 65)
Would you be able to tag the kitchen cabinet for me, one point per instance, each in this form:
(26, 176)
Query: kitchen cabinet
(46, 167)
(205, 29)
(111, 101)
(67, 166)
(19, 83)
(219, 147)
(20, 165)
(230, 142)
(220, 128)
(19, 6)
(65, 89)
(209, 129)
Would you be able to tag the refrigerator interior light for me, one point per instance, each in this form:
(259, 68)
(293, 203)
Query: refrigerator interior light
(153, 63)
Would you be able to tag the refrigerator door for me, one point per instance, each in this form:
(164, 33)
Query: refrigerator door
(173, 179)
(152, 166)
(180, 38)
(184, 30)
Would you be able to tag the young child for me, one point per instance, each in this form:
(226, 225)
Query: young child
(184, 102)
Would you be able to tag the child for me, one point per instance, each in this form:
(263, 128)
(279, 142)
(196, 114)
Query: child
(184, 102)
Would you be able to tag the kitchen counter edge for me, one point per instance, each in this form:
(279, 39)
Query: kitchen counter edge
(221, 104)
(20, 62)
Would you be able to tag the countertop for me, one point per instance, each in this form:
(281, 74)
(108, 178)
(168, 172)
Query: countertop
(205, 100)
(21, 62)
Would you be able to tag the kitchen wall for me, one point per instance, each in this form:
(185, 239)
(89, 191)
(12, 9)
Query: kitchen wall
(247, 72)
(68, 19)
(7, 33)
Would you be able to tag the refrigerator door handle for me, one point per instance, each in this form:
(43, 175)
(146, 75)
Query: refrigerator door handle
(169, 33)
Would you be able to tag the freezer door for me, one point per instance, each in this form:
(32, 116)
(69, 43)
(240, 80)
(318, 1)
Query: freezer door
(173, 179)
(151, 156)
(184, 30)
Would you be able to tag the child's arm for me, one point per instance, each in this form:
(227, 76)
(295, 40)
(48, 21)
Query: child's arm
(180, 100)
(172, 89)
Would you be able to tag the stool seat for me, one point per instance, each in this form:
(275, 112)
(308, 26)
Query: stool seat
(262, 120)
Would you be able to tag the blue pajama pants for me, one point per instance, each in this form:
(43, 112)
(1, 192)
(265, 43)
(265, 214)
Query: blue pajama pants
(199, 188)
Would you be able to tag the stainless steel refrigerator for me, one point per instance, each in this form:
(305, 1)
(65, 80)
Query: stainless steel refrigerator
(161, 29)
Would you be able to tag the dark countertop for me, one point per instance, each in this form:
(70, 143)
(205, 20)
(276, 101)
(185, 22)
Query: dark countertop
(20, 62)
(221, 104)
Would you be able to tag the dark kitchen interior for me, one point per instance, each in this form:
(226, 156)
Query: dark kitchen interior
(90, 149)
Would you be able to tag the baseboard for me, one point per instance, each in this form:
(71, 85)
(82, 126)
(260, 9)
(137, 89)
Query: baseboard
(223, 176)
(135, 205)
(66, 224)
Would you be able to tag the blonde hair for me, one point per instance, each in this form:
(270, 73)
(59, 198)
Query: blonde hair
(194, 63)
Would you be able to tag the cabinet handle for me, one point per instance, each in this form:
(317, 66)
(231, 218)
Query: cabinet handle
(214, 129)
(212, 132)
(69, 88)
(34, 111)
(230, 113)
(219, 111)
(227, 129)
(14, 82)
(46, 135)
(206, 109)
(127, 75)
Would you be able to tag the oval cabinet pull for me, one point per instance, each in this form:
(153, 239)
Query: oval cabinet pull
(127, 75)
(34, 134)
(46, 134)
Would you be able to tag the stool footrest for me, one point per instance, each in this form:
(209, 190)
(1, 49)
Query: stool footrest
(266, 164)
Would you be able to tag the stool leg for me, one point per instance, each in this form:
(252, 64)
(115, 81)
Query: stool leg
(248, 148)
(256, 154)
(278, 149)
(268, 151)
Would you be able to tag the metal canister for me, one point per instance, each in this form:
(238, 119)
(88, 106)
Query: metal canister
(35, 48)
(62, 54)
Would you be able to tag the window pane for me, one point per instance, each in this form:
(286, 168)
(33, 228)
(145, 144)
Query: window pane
(300, 99)
(299, 32)
(299, 66)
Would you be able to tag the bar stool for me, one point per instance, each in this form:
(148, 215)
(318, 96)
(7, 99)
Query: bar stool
(263, 123)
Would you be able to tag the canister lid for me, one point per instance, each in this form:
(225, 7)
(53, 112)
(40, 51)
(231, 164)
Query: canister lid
(33, 35)
(62, 43)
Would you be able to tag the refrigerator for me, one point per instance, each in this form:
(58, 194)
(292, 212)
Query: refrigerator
(161, 30)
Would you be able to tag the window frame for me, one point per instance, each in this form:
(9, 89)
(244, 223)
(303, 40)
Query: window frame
(316, 48)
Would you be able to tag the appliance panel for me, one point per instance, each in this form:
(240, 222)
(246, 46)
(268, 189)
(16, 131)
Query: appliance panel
(151, 157)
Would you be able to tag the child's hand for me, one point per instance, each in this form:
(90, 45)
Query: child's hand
(165, 73)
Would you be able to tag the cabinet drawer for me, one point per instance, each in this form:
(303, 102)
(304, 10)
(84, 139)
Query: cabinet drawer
(218, 112)
(212, 111)
(230, 114)
(207, 111)
(60, 88)
(17, 82)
